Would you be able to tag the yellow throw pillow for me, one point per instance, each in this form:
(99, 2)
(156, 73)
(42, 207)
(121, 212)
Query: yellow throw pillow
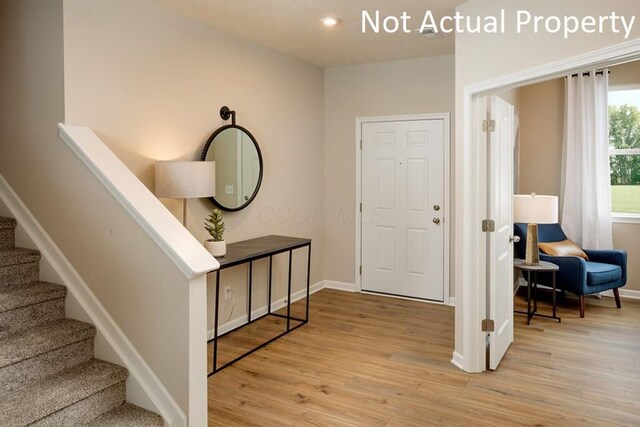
(563, 248)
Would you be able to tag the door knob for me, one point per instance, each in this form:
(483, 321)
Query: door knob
(436, 220)
(246, 198)
(514, 239)
(436, 207)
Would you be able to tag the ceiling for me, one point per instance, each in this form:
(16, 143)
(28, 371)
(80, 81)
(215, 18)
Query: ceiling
(294, 27)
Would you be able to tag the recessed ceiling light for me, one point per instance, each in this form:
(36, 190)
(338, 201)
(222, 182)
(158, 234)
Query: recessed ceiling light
(330, 21)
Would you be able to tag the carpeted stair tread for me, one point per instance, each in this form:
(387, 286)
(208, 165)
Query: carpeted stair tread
(34, 293)
(17, 256)
(59, 391)
(41, 339)
(7, 223)
(128, 415)
(48, 374)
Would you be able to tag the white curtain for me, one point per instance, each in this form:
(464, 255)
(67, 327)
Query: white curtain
(586, 186)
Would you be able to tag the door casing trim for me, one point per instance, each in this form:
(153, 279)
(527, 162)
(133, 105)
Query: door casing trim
(446, 117)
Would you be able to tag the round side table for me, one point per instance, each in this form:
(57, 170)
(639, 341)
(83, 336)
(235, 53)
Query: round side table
(531, 271)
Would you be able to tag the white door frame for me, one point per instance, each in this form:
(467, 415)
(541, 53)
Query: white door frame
(446, 218)
(471, 195)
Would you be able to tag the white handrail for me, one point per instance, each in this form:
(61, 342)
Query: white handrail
(168, 233)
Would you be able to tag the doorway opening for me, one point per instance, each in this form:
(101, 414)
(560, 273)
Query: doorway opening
(477, 185)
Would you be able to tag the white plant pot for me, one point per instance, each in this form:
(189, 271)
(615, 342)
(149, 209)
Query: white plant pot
(216, 248)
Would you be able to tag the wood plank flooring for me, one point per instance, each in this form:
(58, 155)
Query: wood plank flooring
(366, 360)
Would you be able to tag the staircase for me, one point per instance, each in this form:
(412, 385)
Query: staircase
(48, 375)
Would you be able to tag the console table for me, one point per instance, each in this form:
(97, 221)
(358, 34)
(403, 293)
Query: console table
(246, 252)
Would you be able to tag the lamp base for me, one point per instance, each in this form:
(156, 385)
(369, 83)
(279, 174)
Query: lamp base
(184, 213)
(532, 255)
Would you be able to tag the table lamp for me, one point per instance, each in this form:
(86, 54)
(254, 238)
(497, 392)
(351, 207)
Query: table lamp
(185, 180)
(533, 210)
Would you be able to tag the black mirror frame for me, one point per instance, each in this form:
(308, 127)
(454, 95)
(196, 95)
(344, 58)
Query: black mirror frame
(203, 157)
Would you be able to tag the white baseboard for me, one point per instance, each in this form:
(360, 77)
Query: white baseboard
(139, 371)
(324, 284)
(340, 286)
(458, 360)
(275, 305)
(624, 293)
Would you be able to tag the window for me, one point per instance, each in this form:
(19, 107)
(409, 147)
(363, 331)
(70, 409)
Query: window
(624, 150)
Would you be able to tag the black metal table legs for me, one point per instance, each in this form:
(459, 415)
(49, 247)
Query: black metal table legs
(269, 309)
(215, 322)
(532, 288)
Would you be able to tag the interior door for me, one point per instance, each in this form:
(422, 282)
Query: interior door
(402, 208)
(499, 207)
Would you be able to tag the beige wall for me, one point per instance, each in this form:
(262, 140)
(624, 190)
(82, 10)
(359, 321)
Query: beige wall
(150, 83)
(481, 57)
(512, 96)
(627, 237)
(131, 276)
(625, 74)
(541, 131)
(394, 88)
(542, 128)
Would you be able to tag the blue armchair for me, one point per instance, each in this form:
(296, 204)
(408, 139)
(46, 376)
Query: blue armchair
(605, 269)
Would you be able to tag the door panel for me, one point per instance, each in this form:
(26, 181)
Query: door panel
(417, 251)
(386, 253)
(385, 186)
(418, 190)
(500, 271)
(402, 181)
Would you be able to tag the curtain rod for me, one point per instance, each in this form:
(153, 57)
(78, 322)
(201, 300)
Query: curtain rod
(588, 73)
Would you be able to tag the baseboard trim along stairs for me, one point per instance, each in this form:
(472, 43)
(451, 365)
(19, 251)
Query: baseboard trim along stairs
(48, 373)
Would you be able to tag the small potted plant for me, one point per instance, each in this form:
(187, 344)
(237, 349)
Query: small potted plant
(215, 226)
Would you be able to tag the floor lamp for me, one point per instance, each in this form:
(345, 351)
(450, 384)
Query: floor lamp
(532, 210)
(185, 180)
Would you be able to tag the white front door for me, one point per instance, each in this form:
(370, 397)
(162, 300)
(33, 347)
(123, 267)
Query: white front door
(403, 208)
(501, 144)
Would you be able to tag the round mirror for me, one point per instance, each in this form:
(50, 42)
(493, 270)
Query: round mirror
(238, 166)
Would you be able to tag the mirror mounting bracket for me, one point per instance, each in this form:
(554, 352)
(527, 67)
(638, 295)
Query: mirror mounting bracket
(225, 113)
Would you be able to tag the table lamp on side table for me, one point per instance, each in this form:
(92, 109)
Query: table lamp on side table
(533, 210)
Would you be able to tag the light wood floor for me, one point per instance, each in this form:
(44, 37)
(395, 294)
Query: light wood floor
(373, 361)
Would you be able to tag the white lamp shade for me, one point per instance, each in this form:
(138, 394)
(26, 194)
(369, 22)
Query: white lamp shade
(185, 180)
(535, 209)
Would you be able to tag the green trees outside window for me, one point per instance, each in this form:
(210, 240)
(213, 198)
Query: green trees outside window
(624, 133)
(624, 144)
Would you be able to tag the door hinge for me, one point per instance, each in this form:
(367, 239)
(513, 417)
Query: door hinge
(488, 125)
(361, 270)
(360, 207)
(488, 226)
(488, 325)
(361, 144)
